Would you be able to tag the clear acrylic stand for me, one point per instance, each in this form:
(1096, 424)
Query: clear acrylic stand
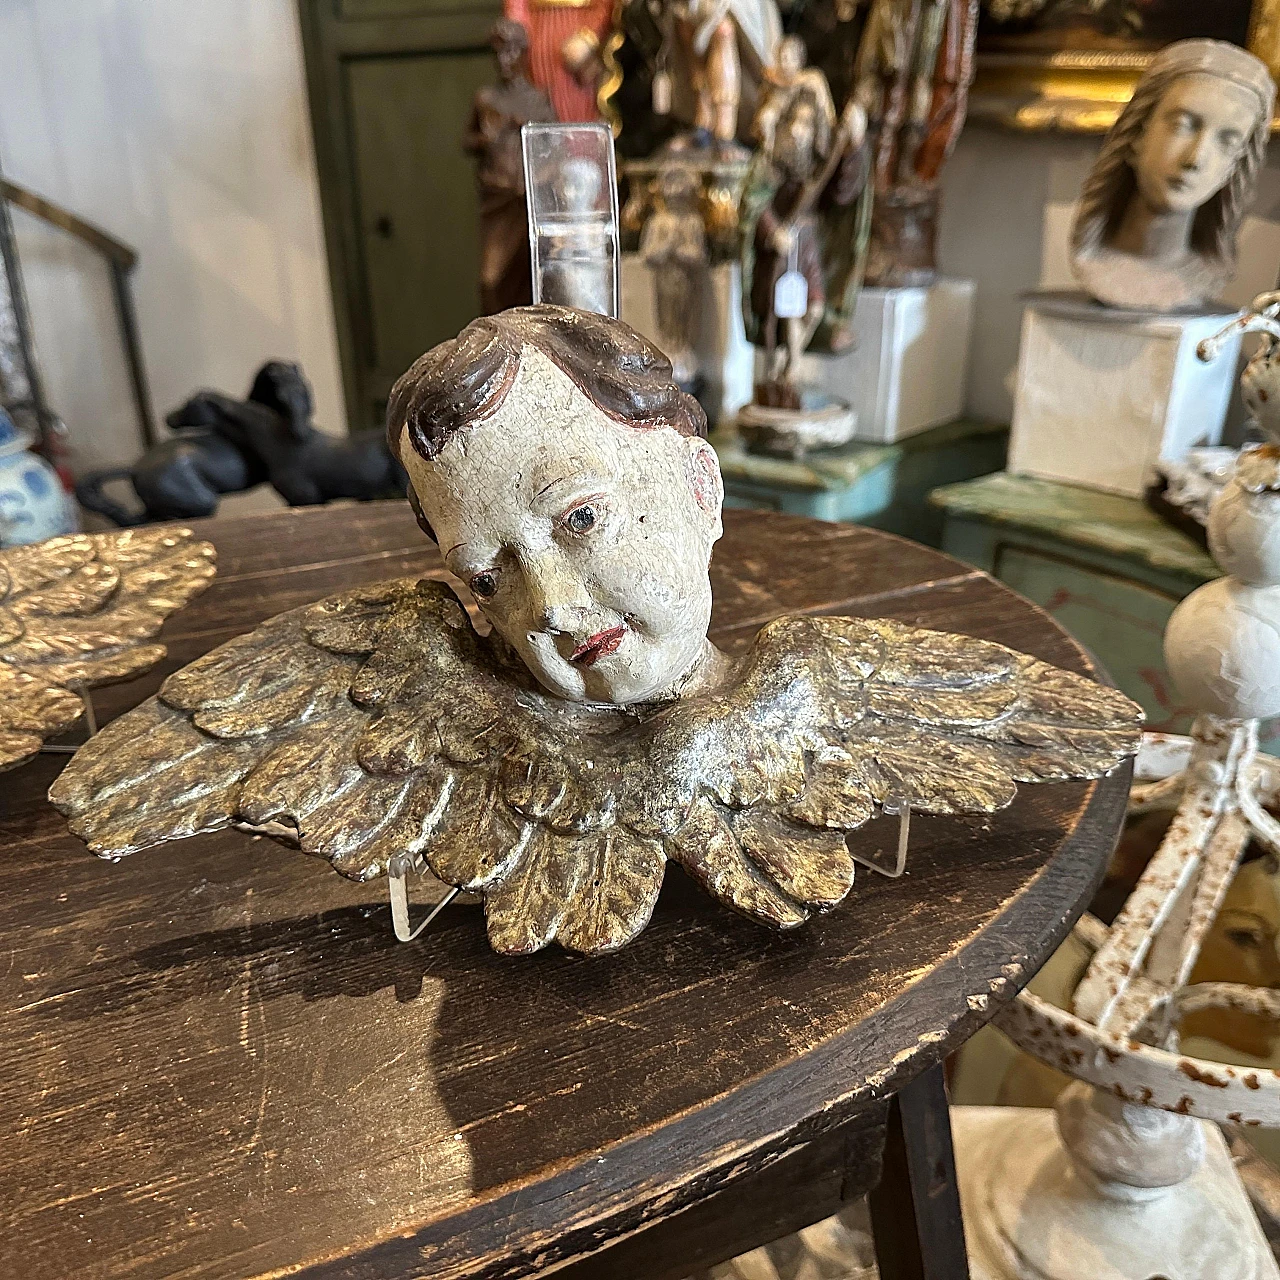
(880, 862)
(398, 871)
(403, 865)
(572, 190)
(90, 724)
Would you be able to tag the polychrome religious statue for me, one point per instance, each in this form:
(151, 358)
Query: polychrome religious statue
(725, 48)
(805, 210)
(493, 138)
(565, 43)
(555, 763)
(1161, 209)
(912, 74)
(674, 248)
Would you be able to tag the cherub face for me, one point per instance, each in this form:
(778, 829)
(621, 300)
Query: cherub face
(1192, 142)
(584, 541)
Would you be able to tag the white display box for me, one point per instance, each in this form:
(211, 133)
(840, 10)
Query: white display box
(908, 368)
(1103, 395)
(725, 358)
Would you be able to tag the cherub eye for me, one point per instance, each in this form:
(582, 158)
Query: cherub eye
(580, 519)
(483, 585)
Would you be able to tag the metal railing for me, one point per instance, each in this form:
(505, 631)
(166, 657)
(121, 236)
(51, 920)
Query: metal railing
(121, 261)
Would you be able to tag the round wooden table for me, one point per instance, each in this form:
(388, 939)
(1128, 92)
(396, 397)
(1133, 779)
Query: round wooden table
(217, 1061)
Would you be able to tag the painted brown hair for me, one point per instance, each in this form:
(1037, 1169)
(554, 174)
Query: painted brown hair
(459, 383)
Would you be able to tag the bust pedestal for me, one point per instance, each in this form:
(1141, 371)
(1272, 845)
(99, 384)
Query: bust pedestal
(905, 373)
(908, 366)
(1102, 395)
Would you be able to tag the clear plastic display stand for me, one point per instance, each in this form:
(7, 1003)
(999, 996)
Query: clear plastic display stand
(572, 185)
(883, 861)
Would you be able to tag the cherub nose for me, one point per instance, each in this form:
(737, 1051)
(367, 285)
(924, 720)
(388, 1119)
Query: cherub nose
(557, 596)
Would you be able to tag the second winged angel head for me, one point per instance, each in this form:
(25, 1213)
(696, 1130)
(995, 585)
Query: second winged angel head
(557, 764)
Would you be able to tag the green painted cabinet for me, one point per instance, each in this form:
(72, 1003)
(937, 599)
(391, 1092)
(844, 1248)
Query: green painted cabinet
(886, 486)
(391, 84)
(1107, 568)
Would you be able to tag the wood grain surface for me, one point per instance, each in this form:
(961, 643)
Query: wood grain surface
(218, 1062)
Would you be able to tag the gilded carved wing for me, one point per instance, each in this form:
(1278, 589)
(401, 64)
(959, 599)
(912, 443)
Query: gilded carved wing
(80, 611)
(380, 725)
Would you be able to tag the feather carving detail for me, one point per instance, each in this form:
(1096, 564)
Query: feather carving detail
(378, 723)
(81, 611)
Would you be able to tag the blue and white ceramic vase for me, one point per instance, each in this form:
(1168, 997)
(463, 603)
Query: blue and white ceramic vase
(33, 503)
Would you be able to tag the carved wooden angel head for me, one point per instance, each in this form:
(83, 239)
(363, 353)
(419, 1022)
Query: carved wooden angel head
(565, 477)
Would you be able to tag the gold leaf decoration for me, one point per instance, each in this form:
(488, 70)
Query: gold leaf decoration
(76, 612)
(378, 723)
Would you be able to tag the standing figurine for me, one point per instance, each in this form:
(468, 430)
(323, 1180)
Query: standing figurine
(912, 75)
(674, 247)
(725, 48)
(813, 170)
(565, 39)
(493, 138)
(788, 79)
(1161, 209)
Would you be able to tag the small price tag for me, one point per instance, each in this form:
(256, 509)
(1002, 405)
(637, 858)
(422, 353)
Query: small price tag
(790, 296)
(662, 94)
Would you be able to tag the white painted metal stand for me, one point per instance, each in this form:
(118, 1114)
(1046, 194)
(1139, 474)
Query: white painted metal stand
(1134, 1184)
(1034, 1211)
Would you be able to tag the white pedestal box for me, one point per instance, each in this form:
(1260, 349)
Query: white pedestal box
(909, 363)
(725, 358)
(1102, 395)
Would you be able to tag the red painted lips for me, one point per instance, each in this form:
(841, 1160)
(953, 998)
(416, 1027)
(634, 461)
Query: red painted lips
(598, 646)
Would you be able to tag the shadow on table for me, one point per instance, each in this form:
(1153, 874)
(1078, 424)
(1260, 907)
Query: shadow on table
(537, 1059)
(348, 951)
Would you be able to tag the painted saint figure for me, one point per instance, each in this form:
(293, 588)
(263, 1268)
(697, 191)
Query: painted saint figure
(493, 138)
(912, 73)
(726, 47)
(673, 245)
(565, 37)
(814, 168)
(790, 79)
(1161, 209)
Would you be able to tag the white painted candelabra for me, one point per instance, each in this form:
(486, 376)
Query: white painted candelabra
(1136, 1182)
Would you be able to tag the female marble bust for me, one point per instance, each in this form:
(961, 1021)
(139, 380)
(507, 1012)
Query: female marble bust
(1159, 214)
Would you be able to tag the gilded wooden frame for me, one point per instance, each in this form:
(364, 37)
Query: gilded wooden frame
(1079, 91)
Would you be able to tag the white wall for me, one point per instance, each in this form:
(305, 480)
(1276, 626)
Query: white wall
(179, 126)
(1007, 207)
